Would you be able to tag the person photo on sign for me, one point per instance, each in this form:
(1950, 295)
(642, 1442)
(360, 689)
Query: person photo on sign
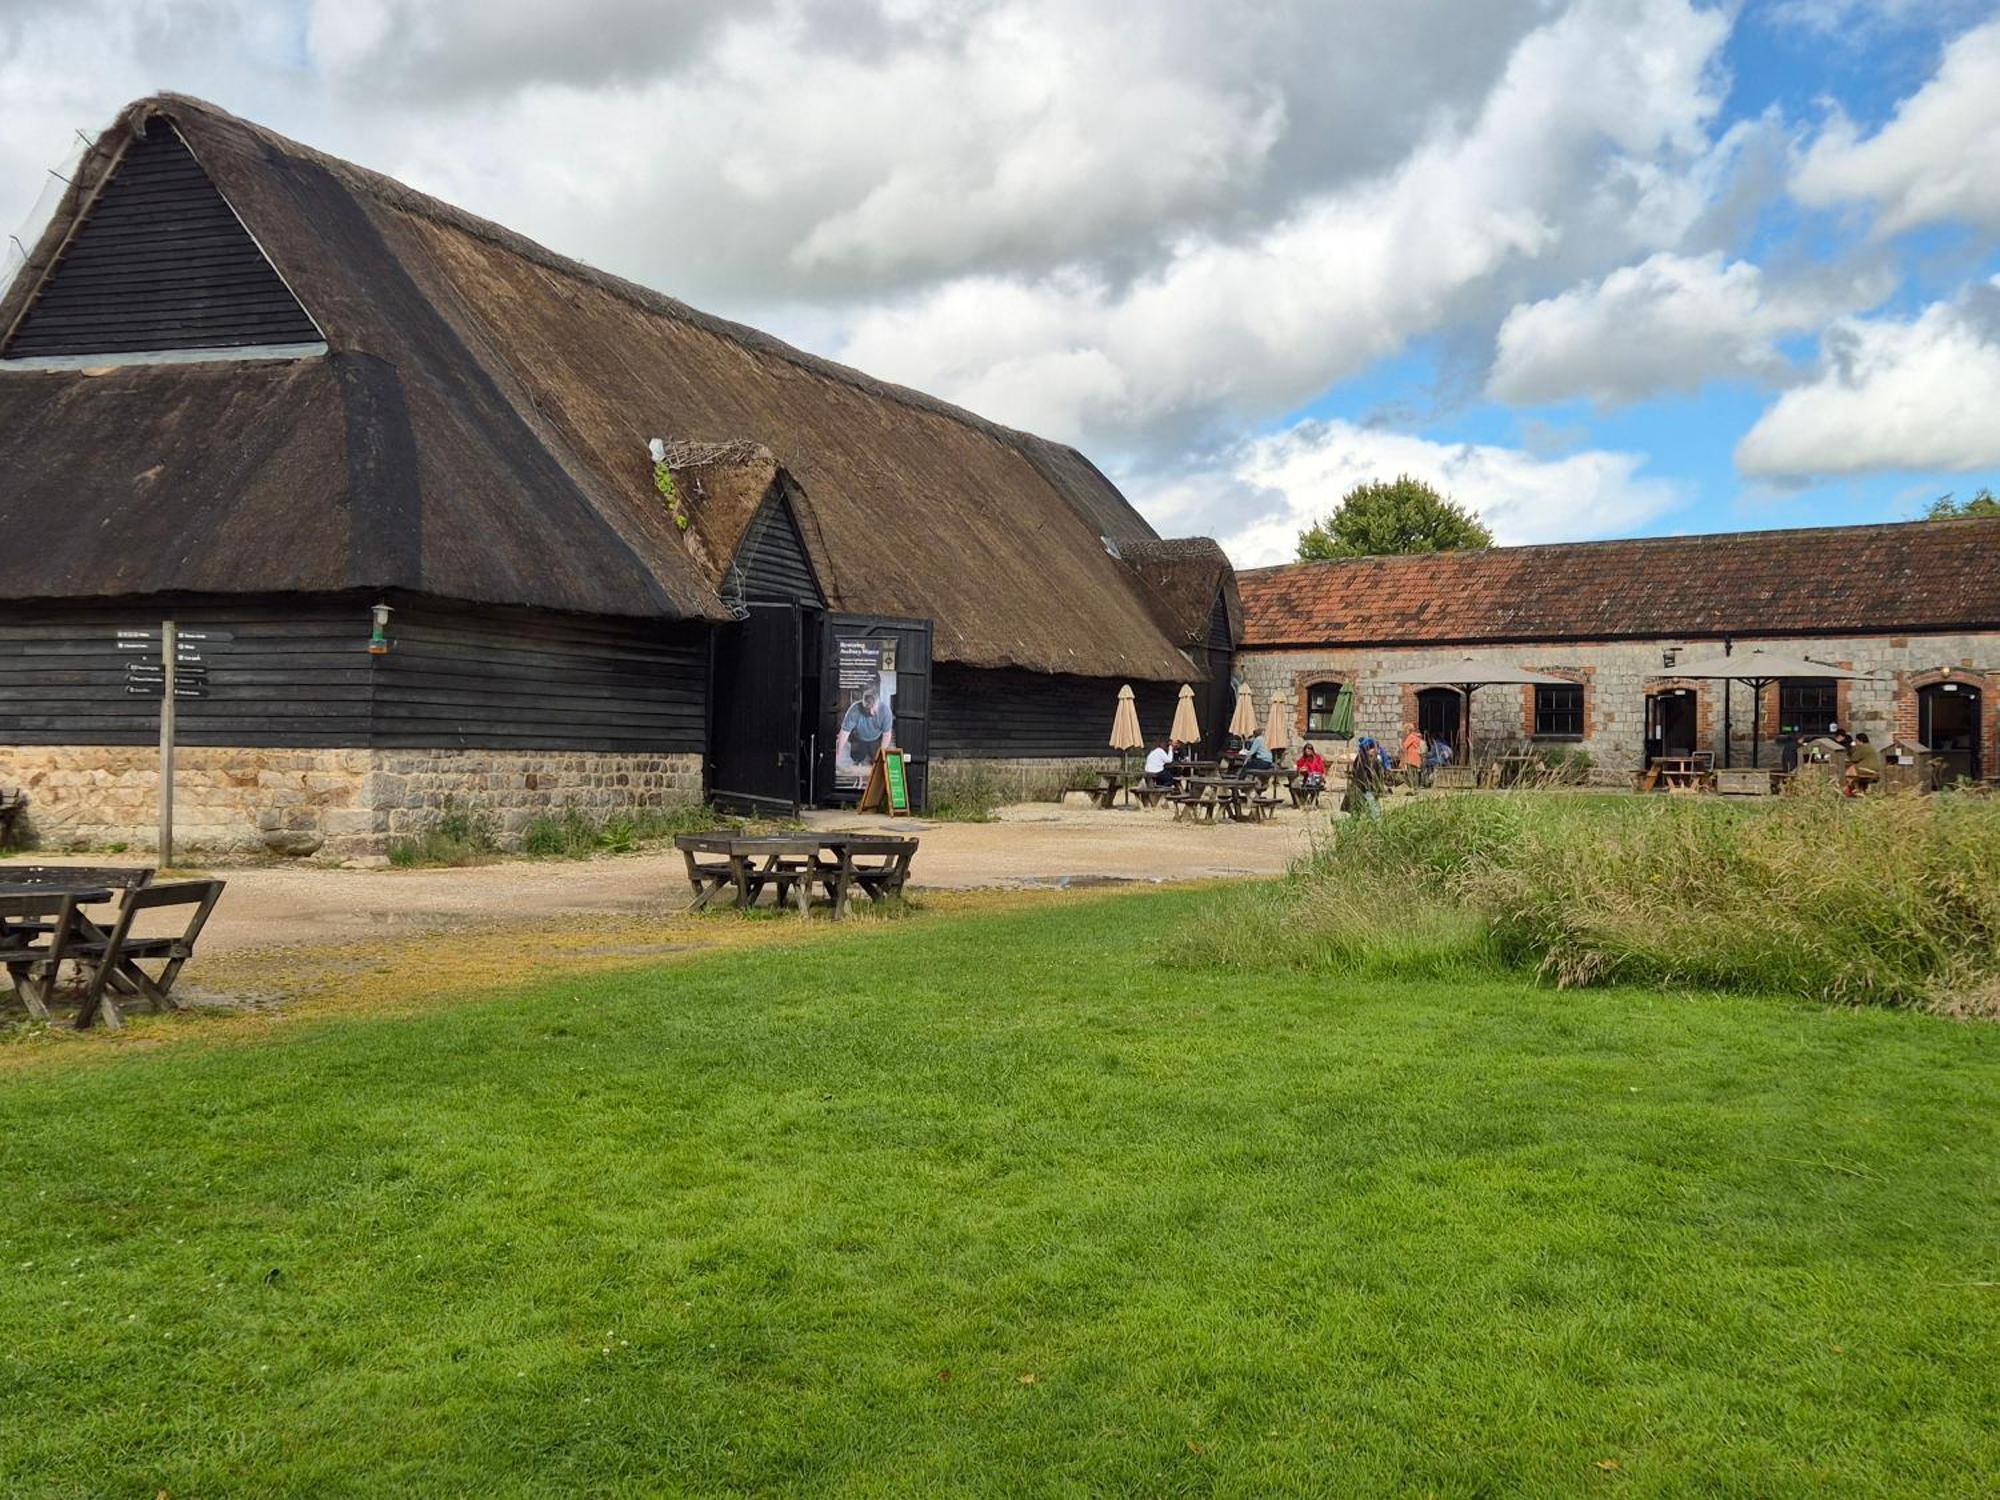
(868, 725)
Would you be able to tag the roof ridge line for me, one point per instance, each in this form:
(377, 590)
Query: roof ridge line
(1623, 541)
(401, 196)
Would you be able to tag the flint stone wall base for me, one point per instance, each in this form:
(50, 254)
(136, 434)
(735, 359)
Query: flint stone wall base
(330, 804)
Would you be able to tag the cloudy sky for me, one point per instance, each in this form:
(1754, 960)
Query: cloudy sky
(1598, 267)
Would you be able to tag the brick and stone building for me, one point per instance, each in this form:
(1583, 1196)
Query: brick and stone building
(1914, 605)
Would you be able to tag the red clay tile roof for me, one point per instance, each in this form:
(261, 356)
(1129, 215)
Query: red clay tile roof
(1914, 575)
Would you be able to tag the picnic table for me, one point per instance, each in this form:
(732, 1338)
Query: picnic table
(1242, 800)
(741, 866)
(1109, 784)
(45, 922)
(1682, 773)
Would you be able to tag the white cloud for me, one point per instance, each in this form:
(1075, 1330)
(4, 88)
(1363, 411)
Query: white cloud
(1666, 324)
(1893, 395)
(1937, 159)
(1579, 155)
(1258, 496)
(1130, 227)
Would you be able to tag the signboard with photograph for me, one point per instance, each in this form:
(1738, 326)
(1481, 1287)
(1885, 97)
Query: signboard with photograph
(865, 684)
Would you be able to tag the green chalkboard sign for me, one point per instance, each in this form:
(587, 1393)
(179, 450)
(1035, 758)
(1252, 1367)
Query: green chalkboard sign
(899, 789)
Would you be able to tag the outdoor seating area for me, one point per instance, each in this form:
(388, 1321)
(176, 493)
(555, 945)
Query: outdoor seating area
(798, 869)
(87, 917)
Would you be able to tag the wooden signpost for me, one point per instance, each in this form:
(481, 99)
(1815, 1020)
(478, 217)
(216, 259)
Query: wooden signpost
(170, 665)
(888, 785)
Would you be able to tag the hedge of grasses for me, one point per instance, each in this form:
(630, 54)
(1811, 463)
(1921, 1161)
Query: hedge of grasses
(1882, 900)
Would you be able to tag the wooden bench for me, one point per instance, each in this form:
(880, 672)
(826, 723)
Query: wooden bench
(1744, 781)
(1104, 795)
(876, 865)
(49, 927)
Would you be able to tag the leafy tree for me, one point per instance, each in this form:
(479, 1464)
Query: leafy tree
(1944, 508)
(1399, 516)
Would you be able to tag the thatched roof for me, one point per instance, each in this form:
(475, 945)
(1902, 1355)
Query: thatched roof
(478, 430)
(1183, 576)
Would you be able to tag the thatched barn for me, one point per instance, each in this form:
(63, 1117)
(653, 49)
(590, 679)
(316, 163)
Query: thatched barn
(629, 553)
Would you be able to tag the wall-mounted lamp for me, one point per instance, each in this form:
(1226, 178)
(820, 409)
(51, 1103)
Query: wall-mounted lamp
(378, 641)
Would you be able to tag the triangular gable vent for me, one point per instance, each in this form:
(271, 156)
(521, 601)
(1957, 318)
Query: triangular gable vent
(160, 263)
(772, 561)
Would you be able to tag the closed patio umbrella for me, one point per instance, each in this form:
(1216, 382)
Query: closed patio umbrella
(1243, 722)
(1125, 733)
(1187, 728)
(1278, 725)
(1341, 725)
(1759, 669)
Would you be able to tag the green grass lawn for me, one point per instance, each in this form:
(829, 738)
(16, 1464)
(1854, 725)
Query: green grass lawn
(990, 1203)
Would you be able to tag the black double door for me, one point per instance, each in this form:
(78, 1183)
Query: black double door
(784, 681)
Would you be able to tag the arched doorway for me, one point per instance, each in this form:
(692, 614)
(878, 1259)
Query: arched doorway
(1948, 724)
(1670, 723)
(1441, 715)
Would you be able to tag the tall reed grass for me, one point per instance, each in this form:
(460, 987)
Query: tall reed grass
(1884, 900)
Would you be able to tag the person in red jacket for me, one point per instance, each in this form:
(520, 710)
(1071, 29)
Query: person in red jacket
(1311, 766)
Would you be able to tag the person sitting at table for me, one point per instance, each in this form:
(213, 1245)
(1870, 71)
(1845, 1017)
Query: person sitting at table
(1256, 755)
(1160, 764)
(1864, 765)
(1311, 766)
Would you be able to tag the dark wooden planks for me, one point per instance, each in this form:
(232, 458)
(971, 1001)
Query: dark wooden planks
(298, 673)
(772, 559)
(1009, 714)
(161, 263)
(523, 679)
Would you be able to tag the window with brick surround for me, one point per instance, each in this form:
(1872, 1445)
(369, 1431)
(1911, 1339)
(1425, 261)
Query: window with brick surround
(1320, 699)
(1808, 705)
(1559, 712)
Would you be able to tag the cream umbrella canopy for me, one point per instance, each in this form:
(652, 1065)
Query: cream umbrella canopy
(1759, 669)
(1187, 728)
(1467, 676)
(1243, 722)
(1278, 725)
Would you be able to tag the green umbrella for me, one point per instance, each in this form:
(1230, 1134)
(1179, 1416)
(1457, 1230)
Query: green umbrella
(1342, 727)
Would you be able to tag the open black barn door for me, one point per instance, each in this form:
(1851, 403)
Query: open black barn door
(875, 690)
(754, 726)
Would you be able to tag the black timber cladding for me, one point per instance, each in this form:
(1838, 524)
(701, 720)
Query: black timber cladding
(298, 673)
(771, 559)
(536, 680)
(1218, 637)
(160, 263)
(984, 713)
